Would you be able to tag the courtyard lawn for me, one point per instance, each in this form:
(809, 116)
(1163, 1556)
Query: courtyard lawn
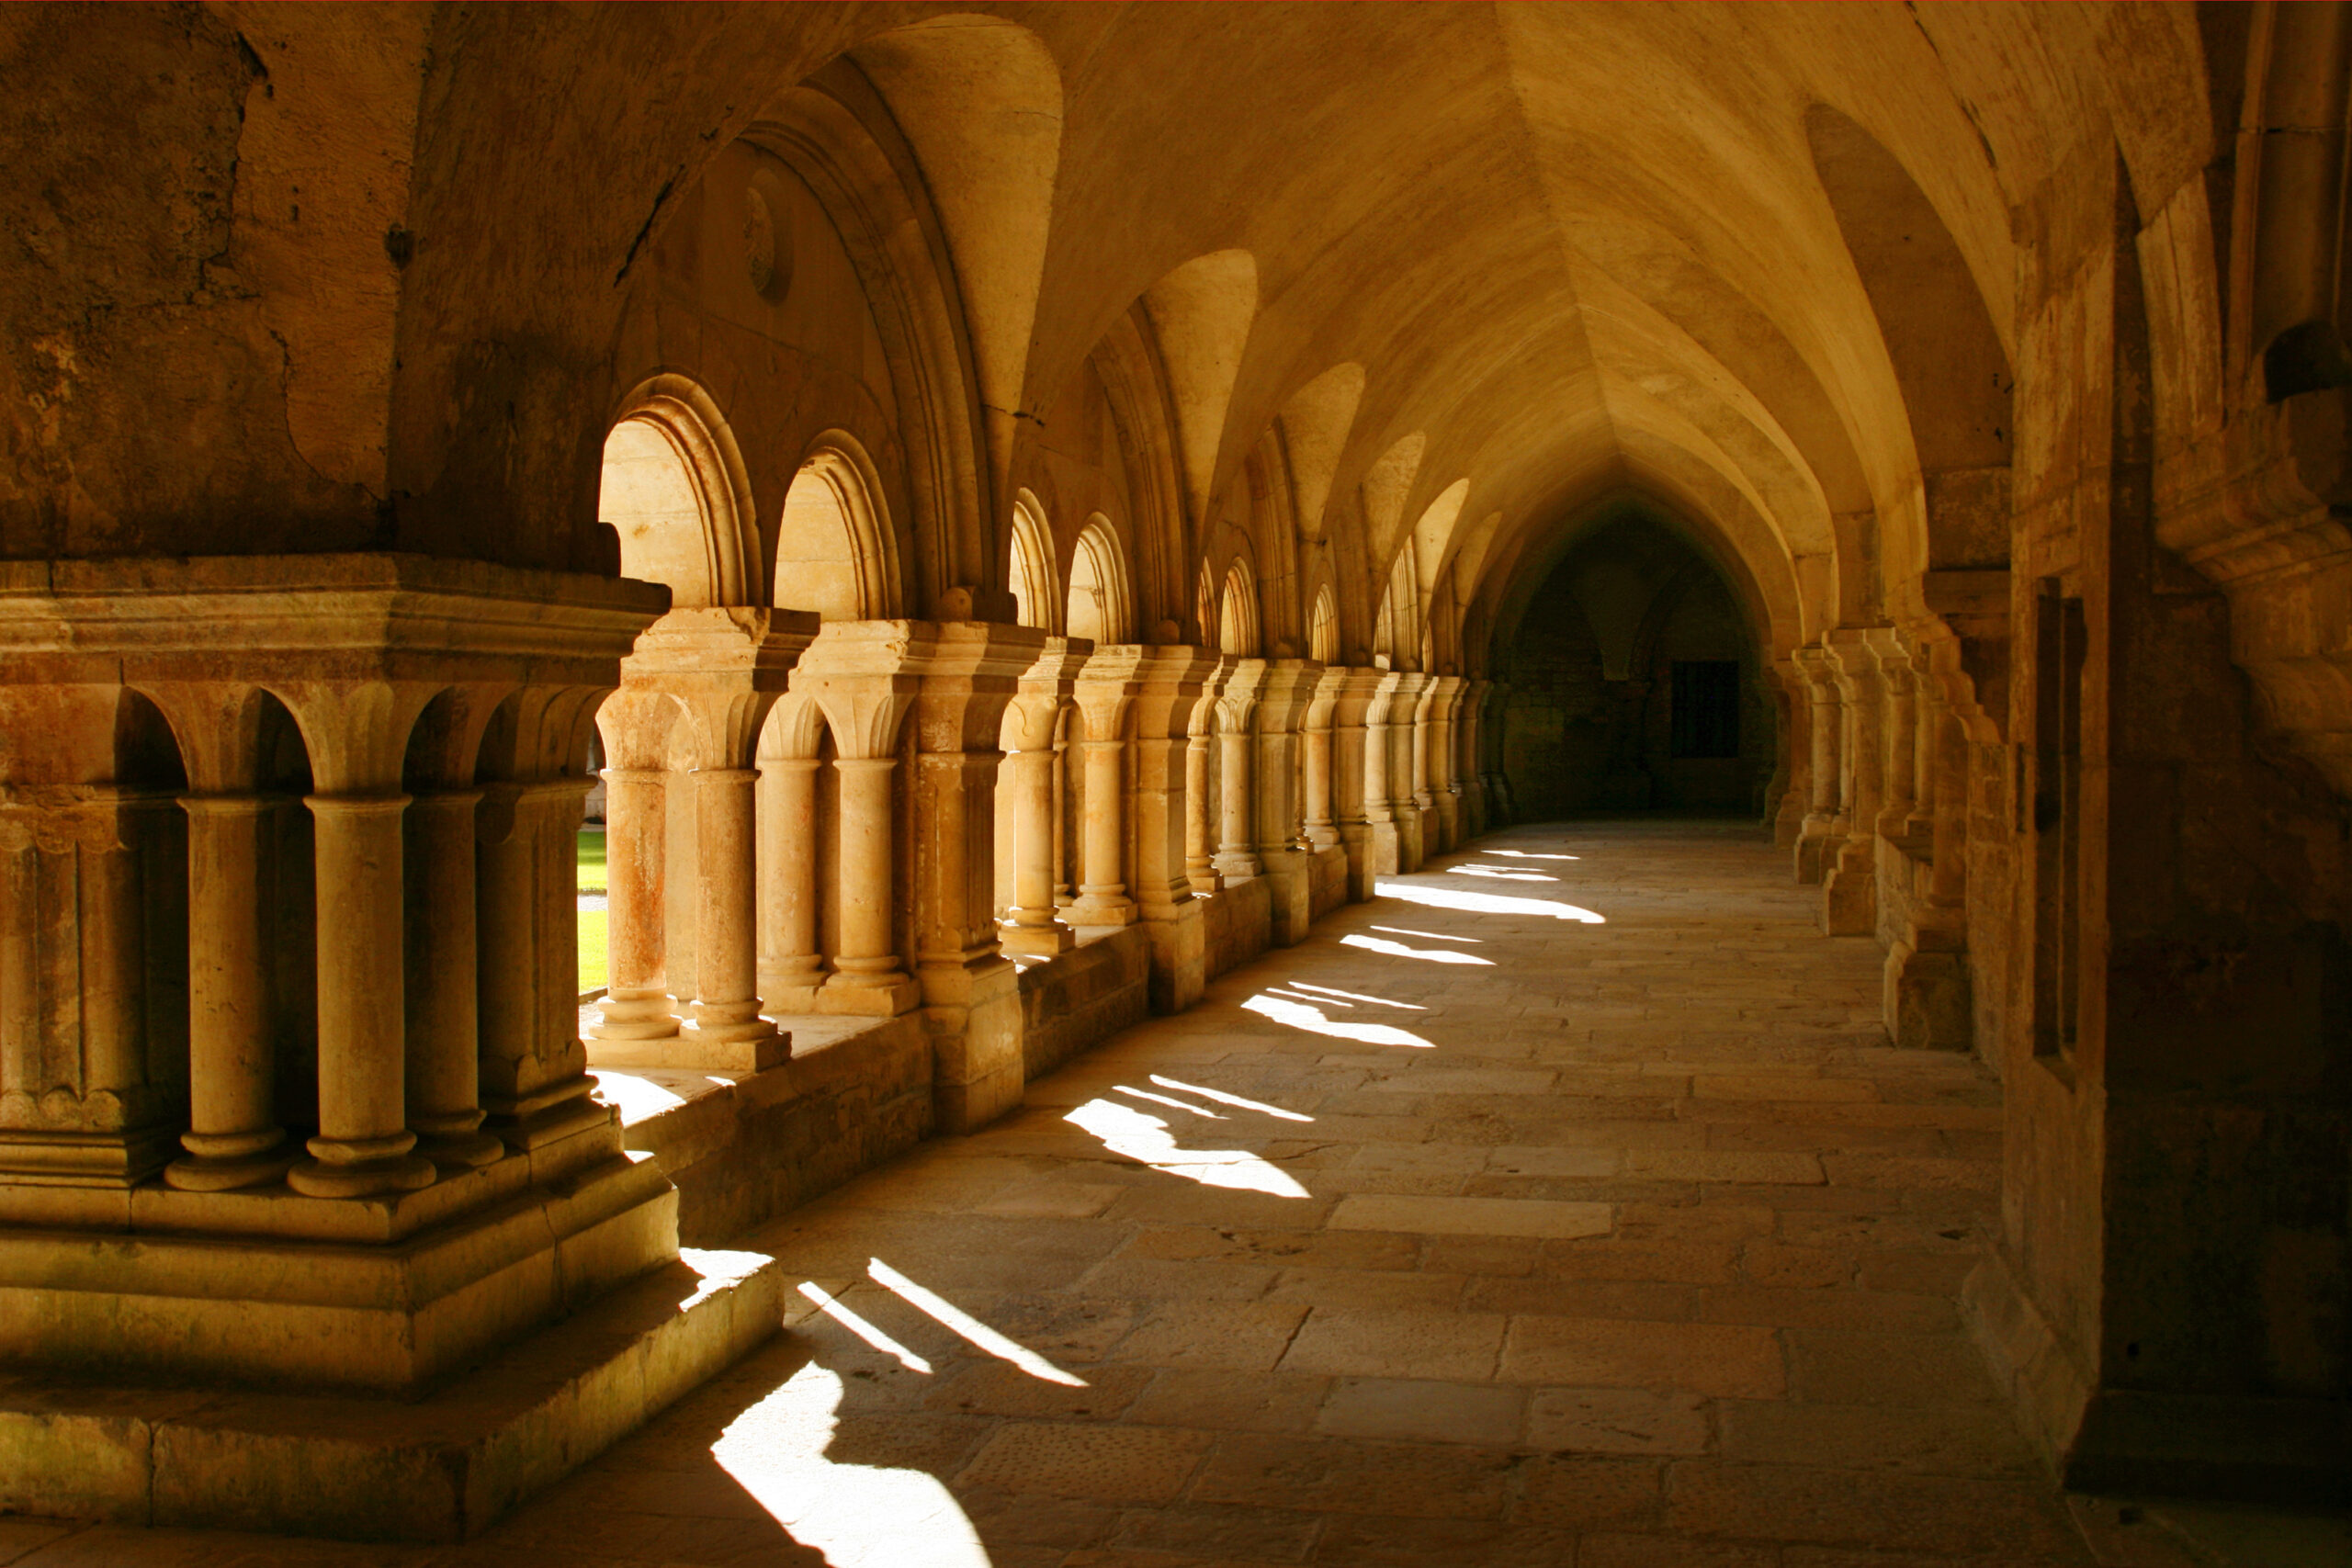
(592, 860)
(592, 949)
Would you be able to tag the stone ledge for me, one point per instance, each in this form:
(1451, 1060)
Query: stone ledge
(438, 1469)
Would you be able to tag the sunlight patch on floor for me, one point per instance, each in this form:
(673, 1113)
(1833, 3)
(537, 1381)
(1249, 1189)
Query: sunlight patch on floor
(857, 1516)
(1145, 1140)
(1398, 950)
(947, 1314)
(1306, 1016)
(1486, 903)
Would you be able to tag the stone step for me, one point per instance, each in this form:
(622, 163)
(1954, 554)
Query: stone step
(440, 1469)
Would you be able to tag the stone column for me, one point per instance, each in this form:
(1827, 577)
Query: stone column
(1384, 842)
(1928, 717)
(1468, 730)
(970, 992)
(1406, 741)
(535, 1082)
(1322, 829)
(1444, 791)
(1033, 730)
(790, 966)
(1850, 892)
(1157, 690)
(1200, 831)
(725, 1015)
(1237, 859)
(233, 1138)
(864, 676)
(1284, 689)
(1894, 661)
(636, 988)
(1817, 839)
(1351, 741)
(444, 999)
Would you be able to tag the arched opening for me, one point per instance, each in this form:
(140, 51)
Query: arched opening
(649, 497)
(1236, 620)
(835, 554)
(1101, 606)
(1637, 682)
(1032, 573)
(1323, 628)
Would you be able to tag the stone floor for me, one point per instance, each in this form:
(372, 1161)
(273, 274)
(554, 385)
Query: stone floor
(1564, 1206)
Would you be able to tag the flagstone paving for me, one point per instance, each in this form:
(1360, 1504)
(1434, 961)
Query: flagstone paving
(1565, 1205)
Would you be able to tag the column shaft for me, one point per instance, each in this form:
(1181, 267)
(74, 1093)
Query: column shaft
(727, 1001)
(233, 1138)
(443, 1073)
(637, 996)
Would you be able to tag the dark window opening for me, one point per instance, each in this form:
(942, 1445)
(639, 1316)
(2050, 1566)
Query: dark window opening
(1706, 708)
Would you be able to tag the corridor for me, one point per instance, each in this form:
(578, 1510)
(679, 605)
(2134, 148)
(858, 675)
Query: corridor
(1561, 1205)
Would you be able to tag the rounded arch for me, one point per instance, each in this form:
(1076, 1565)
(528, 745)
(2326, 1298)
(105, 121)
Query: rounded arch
(1236, 615)
(673, 488)
(1323, 627)
(1102, 602)
(1031, 572)
(835, 552)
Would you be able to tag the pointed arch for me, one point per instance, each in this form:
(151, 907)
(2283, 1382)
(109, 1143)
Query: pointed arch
(835, 550)
(1237, 630)
(1036, 601)
(1323, 627)
(1386, 486)
(1101, 604)
(672, 486)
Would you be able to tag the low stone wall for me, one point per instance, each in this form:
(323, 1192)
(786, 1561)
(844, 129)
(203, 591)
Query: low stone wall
(744, 1152)
(1238, 921)
(1083, 997)
(1328, 881)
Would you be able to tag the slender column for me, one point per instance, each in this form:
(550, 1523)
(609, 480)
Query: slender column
(1322, 825)
(1200, 866)
(535, 1083)
(1927, 722)
(1103, 889)
(637, 996)
(1057, 825)
(364, 1145)
(233, 1139)
(866, 957)
(1033, 927)
(1237, 859)
(1949, 885)
(790, 963)
(726, 1008)
(1901, 746)
(443, 1073)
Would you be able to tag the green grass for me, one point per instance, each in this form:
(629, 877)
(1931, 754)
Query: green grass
(594, 923)
(592, 860)
(592, 949)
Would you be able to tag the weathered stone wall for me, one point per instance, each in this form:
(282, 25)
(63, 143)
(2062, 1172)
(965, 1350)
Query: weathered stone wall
(1083, 997)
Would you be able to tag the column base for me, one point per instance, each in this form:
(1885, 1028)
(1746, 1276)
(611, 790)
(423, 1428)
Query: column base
(1036, 941)
(1928, 1000)
(866, 999)
(361, 1178)
(1093, 910)
(634, 1014)
(1817, 851)
(732, 1048)
(1849, 894)
(465, 1149)
(1237, 867)
(1384, 852)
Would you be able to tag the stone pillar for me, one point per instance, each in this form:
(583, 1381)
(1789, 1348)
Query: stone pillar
(1319, 775)
(1407, 743)
(1795, 707)
(1384, 841)
(1445, 792)
(791, 969)
(1161, 690)
(444, 997)
(1032, 730)
(1849, 886)
(1351, 699)
(1200, 828)
(1236, 858)
(723, 670)
(1284, 688)
(635, 726)
(533, 1067)
(864, 675)
(1469, 732)
(1896, 686)
(1106, 688)
(233, 1138)
(1927, 715)
(1817, 840)
(970, 994)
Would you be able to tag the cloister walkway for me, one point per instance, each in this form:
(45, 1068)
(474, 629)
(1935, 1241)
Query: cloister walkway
(1563, 1205)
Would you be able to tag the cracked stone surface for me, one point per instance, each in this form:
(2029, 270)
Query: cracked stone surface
(1618, 1241)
